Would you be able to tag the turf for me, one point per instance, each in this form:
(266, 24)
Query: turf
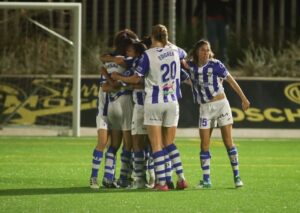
(51, 174)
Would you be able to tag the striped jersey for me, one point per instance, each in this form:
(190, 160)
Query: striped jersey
(113, 67)
(138, 95)
(160, 67)
(207, 80)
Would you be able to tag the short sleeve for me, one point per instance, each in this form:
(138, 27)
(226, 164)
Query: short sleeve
(182, 53)
(143, 65)
(184, 75)
(129, 61)
(221, 70)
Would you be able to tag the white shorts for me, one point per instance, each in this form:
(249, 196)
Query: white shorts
(137, 124)
(101, 118)
(217, 112)
(162, 114)
(120, 113)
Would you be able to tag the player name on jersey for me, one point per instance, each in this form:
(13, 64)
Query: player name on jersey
(165, 55)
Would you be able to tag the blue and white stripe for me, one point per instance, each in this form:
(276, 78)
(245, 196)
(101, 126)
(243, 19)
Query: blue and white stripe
(207, 80)
(205, 164)
(159, 167)
(234, 161)
(97, 157)
(161, 69)
(110, 159)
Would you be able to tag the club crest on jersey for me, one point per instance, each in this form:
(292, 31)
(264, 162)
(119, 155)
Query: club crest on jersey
(209, 71)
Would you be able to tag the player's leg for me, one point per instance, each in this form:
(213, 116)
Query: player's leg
(126, 110)
(139, 160)
(126, 160)
(225, 123)
(149, 165)
(97, 157)
(102, 137)
(169, 131)
(168, 169)
(232, 153)
(205, 157)
(110, 159)
(155, 137)
(153, 117)
(139, 144)
(206, 125)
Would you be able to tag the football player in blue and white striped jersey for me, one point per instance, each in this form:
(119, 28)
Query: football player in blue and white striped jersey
(102, 135)
(119, 114)
(160, 67)
(207, 75)
(138, 129)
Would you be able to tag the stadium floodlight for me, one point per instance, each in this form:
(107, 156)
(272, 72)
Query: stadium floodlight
(75, 9)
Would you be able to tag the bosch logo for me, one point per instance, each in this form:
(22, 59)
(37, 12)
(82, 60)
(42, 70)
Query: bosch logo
(292, 92)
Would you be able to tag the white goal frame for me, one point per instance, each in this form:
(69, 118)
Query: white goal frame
(75, 8)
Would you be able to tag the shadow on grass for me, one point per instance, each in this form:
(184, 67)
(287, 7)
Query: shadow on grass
(67, 190)
(87, 190)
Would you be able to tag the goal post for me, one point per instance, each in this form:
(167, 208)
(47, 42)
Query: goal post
(75, 8)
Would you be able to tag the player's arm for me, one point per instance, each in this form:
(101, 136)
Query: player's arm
(235, 86)
(108, 88)
(138, 86)
(116, 59)
(185, 77)
(113, 84)
(133, 79)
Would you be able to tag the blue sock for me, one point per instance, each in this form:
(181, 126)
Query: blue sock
(139, 164)
(168, 165)
(205, 165)
(176, 160)
(97, 157)
(159, 167)
(125, 164)
(233, 156)
(110, 157)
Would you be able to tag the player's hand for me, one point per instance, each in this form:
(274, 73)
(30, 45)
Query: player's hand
(245, 104)
(105, 58)
(105, 87)
(115, 76)
(103, 71)
(119, 60)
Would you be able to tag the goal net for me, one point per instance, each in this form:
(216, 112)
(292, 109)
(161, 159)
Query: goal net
(40, 67)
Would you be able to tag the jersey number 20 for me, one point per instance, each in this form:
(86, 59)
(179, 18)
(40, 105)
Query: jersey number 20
(168, 71)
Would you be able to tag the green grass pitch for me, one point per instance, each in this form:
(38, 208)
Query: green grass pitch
(51, 174)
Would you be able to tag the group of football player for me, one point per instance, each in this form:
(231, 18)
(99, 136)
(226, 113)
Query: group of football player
(138, 108)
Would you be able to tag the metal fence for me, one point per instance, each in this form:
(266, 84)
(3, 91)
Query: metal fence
(274, 21)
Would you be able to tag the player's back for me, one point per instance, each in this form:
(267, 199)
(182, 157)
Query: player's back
(163, 79)
(113, 67)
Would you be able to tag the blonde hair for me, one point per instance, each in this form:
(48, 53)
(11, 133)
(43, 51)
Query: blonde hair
(160, 33)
